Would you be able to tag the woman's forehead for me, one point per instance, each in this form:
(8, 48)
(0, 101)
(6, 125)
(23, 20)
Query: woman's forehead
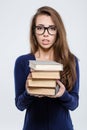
(44, 20)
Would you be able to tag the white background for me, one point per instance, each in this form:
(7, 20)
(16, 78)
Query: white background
(15, 17)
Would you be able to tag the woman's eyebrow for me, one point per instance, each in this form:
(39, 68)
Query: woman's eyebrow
(44, 25)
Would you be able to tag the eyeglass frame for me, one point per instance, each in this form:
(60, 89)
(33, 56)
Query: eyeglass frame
(46, 28)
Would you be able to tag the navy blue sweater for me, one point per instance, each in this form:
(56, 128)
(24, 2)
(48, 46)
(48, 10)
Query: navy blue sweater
(43, 113)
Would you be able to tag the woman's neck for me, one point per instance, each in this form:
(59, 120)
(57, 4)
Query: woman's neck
(44, 54)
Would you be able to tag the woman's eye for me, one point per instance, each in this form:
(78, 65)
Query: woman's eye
(39, 28)
(53, 28)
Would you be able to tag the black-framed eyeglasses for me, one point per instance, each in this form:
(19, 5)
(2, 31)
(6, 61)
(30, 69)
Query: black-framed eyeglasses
(40, 30)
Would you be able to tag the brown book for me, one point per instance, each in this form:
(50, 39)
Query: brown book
(45, 65)
(43, 91)
(41, 82)
(45, 74)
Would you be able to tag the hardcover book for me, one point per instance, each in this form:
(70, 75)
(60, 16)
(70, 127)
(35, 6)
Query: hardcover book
(43, 91)
(45, 74)
(45, 65)
(51, 83)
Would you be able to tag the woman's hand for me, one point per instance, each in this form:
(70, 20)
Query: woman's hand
(26, 85)
(60, 91)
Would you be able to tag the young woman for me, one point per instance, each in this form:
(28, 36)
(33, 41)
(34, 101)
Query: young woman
(48, 42)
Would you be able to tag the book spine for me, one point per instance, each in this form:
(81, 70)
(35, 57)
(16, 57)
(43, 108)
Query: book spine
(43, 83)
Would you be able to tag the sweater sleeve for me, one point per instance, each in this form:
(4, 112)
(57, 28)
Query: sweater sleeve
(70, 100)
(22, 99)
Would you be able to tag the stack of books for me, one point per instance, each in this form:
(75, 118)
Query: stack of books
(43, 77)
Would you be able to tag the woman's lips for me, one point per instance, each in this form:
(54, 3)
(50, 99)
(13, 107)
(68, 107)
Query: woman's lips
(45, 41)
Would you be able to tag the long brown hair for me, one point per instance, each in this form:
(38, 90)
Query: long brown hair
(62, 52)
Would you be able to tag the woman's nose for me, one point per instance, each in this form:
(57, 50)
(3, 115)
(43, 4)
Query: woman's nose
(46, 33)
